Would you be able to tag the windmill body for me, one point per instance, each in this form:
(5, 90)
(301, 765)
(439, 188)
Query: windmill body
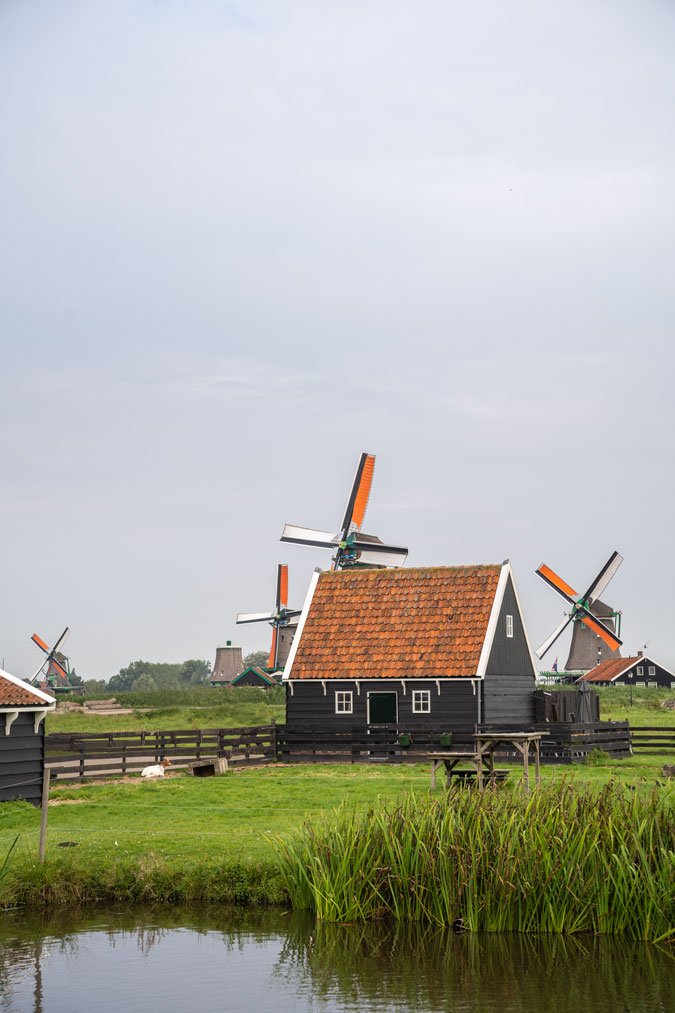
(57, 677)
(592, 619)
(350, 545)
(587, 649)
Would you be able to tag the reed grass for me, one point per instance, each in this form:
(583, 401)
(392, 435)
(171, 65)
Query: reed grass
(561, 859)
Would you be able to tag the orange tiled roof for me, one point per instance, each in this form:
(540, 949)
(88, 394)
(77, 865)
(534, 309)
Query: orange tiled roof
(608, 670)
(13, 695)
(428, 622)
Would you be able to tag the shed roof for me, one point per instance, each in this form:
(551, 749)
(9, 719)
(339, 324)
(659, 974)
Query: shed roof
(426, 622)
(17, 693)
(611, 669)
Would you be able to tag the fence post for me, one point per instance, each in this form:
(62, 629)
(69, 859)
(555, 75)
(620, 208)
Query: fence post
(274, 738)
(46, 774)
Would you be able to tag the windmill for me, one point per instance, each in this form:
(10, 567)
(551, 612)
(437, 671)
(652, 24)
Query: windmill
(279, 620)
(55, 659)
(587, 612)
(351, 546)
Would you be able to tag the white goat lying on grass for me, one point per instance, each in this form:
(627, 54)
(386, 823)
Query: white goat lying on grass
(156, 770)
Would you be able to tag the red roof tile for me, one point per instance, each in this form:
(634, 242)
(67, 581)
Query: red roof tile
(426, 622)
(608, 670)
(19, 694)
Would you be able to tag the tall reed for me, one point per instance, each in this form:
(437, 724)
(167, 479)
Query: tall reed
(557, 860)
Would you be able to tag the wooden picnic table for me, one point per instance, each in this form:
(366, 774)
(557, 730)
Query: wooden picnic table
(481, 762)
(451, 760)
(523, 741)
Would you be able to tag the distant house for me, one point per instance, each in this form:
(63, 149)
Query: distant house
(228, 665)
(22, 711)
(443, 647)
(640, 670)
(254, 676)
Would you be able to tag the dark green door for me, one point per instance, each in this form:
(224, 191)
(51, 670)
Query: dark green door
(382, 708)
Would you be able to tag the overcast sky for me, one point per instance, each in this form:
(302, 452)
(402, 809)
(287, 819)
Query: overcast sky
(243, 242)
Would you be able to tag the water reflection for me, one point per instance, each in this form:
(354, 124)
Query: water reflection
(178, 958)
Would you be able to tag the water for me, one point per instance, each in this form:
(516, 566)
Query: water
(203, 960)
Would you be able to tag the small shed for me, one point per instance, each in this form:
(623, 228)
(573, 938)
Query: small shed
(254, 676)
(22, 734)
(640, 670)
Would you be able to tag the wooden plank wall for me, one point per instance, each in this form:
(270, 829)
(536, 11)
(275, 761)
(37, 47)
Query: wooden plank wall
(21, 760)
(101, 754)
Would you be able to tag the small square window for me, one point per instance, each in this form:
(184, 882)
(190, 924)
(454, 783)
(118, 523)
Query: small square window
(640, 672)
(344, 702)
(509, 626)
(652, 671)
(640, 683)
(421, 701)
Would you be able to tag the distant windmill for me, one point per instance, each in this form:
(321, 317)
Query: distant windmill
(587, 612)
(351, 546)
(279, 620)
(54, 658)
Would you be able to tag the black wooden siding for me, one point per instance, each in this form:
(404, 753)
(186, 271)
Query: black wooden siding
(662, 677)
(455, 708)
(508, 690)
(21, 760)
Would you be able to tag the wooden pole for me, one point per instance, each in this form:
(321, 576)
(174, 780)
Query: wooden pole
(43, 818)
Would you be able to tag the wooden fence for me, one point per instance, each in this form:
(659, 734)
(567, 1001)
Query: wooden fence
(649, 739)
(564, 742)
(102, 754)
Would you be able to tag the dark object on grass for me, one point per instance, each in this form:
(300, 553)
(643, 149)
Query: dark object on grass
(67, 844)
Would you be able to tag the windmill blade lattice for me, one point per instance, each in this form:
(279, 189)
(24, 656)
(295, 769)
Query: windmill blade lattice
(280, 617)
(50, 654)
(581, 605)
(350, 545)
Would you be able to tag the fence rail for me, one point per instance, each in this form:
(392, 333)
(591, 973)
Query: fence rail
(100, 754)
(652, 739)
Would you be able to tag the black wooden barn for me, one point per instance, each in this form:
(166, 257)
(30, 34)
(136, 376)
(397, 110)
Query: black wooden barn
(441, 647)
(640, 670)
(23, 708)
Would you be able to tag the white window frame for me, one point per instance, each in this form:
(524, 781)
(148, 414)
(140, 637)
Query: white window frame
(641, 684)
(344, 701)
(509, 626)
(652, 685)
(640, 672)
(421, 701)
(651, 671)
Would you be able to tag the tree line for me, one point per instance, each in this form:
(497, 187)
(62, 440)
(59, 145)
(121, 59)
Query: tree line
(145, 676)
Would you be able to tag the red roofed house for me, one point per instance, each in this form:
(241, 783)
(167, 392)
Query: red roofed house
(640, 670)
(444, 647)
(22, 710)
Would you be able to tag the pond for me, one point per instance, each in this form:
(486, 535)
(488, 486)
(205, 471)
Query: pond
(181, 959)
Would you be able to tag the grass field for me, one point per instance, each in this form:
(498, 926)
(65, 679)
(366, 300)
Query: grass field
(176, 838)
(164, 710)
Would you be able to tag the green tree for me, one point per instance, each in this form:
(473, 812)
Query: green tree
(258, 659)
(195, 672)
(144, 684)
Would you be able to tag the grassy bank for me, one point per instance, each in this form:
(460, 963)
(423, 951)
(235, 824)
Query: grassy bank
(560, 859)
(182, 838)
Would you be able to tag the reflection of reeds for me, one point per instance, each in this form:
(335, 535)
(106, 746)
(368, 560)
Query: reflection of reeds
(422, 966)
(557, 860)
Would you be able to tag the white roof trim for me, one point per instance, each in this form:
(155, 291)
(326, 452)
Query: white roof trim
(301, 625)
(30, 689)
(492, 621)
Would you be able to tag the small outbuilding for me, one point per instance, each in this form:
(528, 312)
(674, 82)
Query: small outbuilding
(444, 647)
(640, 670)
(22, 734)
(254, 676)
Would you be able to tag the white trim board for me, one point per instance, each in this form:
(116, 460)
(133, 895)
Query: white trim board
(301, 625)
(40, 694)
